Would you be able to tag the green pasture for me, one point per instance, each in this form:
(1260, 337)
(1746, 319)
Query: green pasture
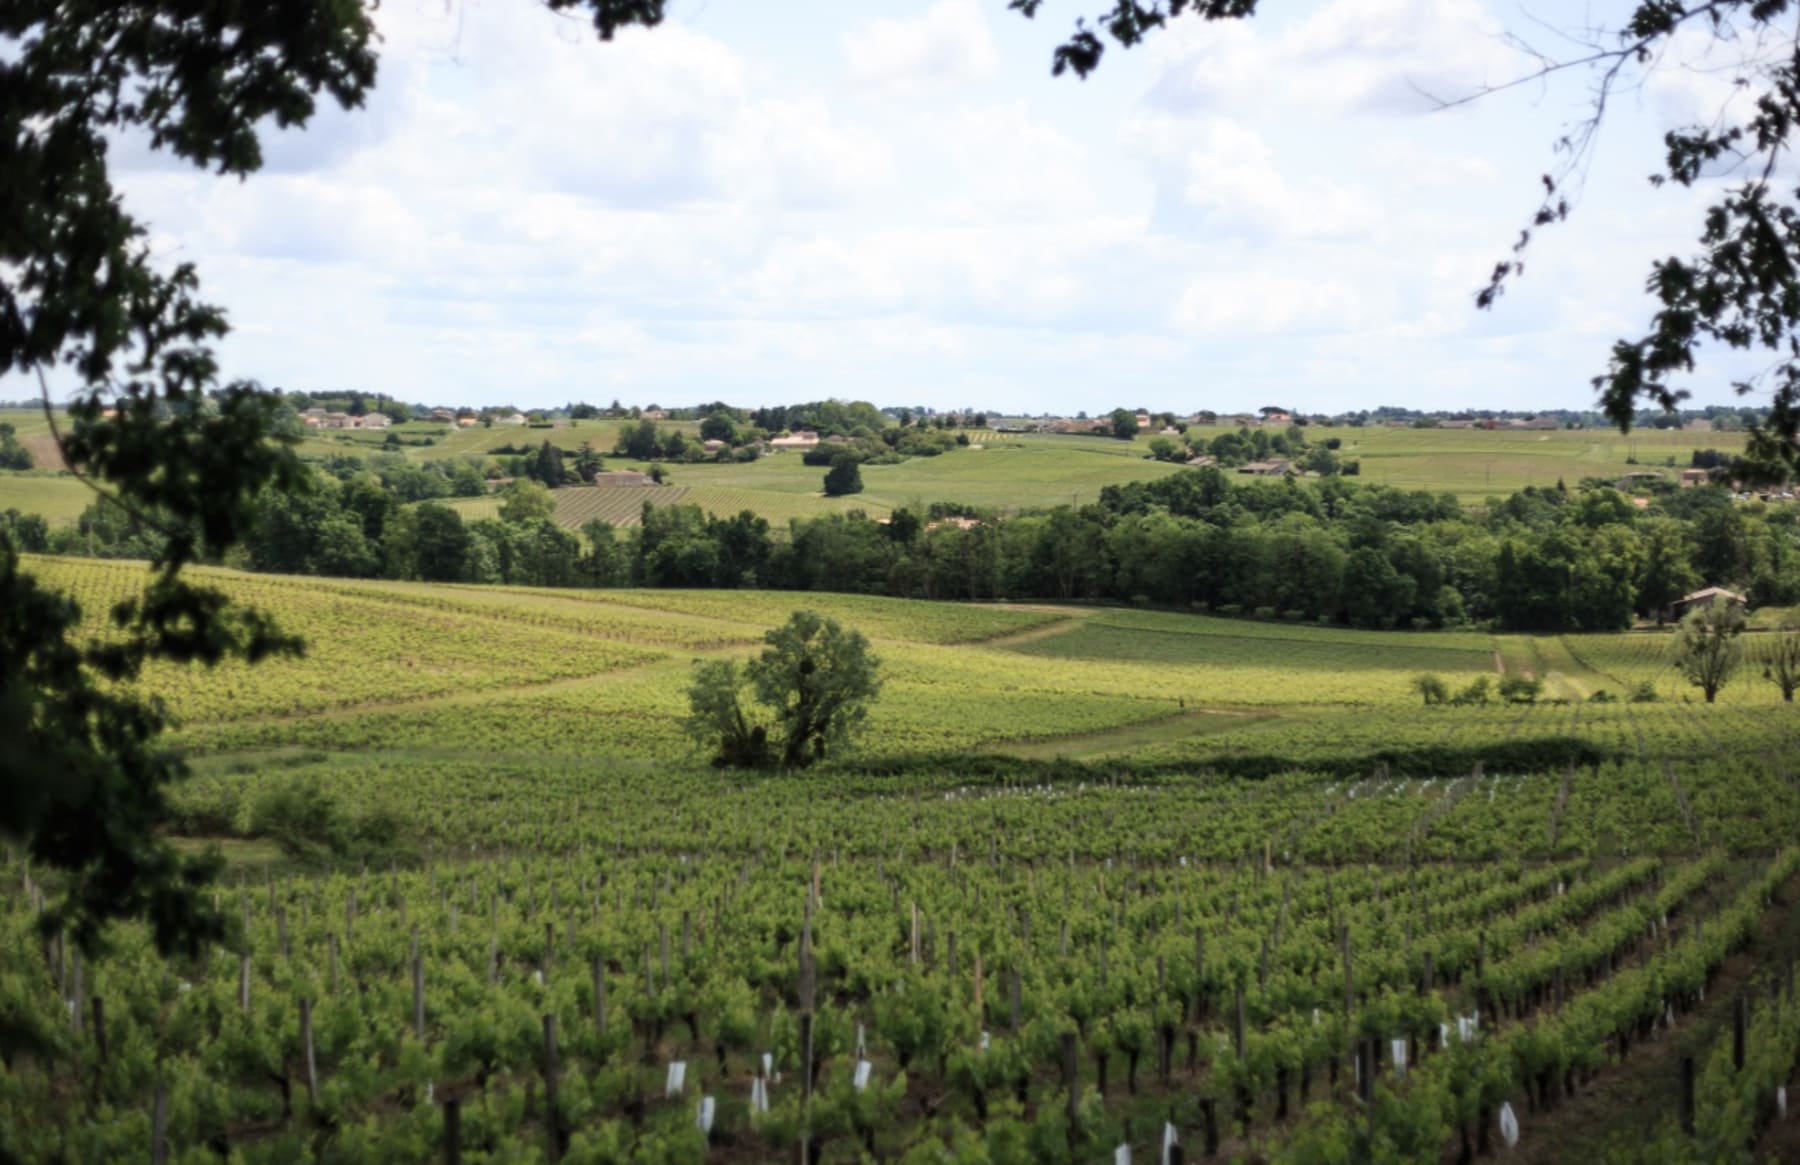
(1001, 471)
(436, 672)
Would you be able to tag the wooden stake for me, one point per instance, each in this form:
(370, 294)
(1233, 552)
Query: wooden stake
(551, 1137)
(306, 1044)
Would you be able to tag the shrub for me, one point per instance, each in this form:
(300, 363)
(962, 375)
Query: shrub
(1644, 693)
(1603, 697)
(1432, 689)
(1475, 693)
(1521, 689)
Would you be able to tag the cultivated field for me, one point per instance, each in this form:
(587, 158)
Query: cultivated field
(1235, 862)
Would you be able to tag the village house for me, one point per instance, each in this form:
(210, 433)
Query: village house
(1202, 462)
(443, 416)
(373, 421)
(1691, 477)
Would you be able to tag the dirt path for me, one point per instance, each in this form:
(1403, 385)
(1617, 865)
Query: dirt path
(1128, 737)
(1032, 634)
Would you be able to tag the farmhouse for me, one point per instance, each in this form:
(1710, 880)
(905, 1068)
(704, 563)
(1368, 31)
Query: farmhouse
(445, 416)
(373, 421)
(1201, 462)
(1695, 477)
(625, 477)
(1274, 467)
(804, 439)
(1704, 596)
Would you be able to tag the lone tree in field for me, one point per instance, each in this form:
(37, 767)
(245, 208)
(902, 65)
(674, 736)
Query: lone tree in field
(1706, 645)
(1781, 666)
(843, 478)
(814, 682)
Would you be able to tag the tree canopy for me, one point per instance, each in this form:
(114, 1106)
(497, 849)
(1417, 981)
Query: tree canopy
(814, 680)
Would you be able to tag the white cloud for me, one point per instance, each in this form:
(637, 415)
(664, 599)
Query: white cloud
(1385, 56)
(949, 45)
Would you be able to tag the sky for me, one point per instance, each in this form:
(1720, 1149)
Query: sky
(897, 202)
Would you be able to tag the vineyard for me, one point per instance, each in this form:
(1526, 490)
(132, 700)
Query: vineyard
(1292, 916)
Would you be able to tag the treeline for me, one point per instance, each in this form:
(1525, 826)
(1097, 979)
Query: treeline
(1331, 550)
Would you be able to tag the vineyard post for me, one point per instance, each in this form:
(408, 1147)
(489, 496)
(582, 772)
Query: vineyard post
(550, 1088)
(159, 1126)
(1687, 1095)
(1209, 1119)
(1349, 971)
(662, 946)
(281, 931)
(75, 991)
(599, 996)
(1481, 995)
(549, 946)
(453, 1132)
(950, 945)
(244, 981)
(1237, 1023)
(331, 950)
(1740, 1008)
(418, 986)
(306, 1042)
(1199, 975)
(980, 1011)
(912, 948)
(1071, 1067)
(350, 915)
(1014, 1025)
(493, 967)
(100, 1028)
(687, 936)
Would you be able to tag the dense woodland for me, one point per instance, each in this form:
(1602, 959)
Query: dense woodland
(1330, 550)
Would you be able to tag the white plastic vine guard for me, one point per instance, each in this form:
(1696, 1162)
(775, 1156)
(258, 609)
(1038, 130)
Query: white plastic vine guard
(1443, 1035)
(1509, 1125)
(1781, 1101)
(1122, 1155)
(862, 1043)
(1398, 1048)
(861, 1079)
(984, 1041)
(759, 1095)
(704, 1118)
(676, 1078)
(1168, 1141)
(769, 1065)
